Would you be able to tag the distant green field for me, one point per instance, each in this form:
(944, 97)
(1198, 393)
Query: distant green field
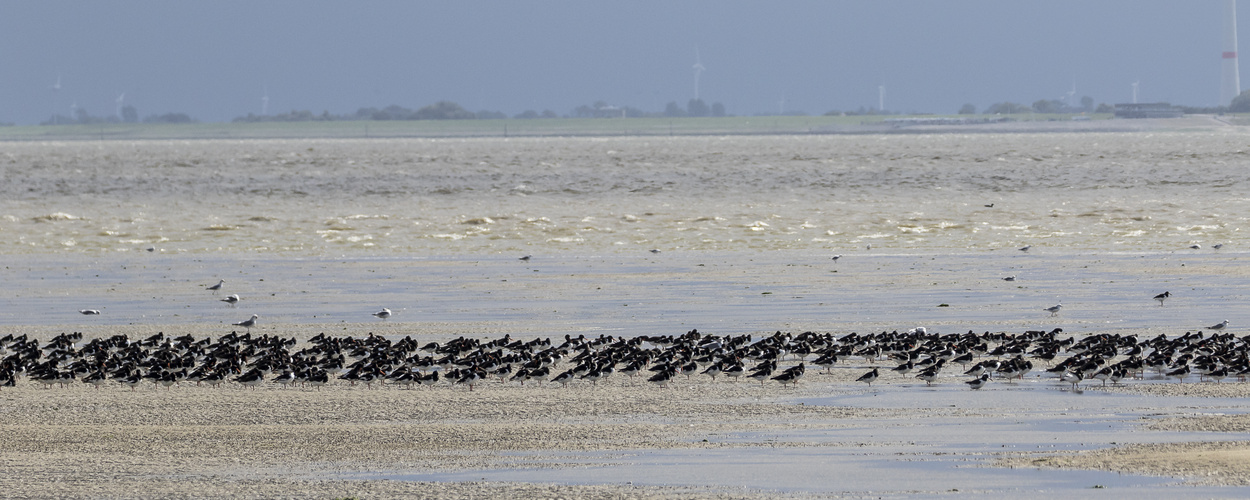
(471, 128)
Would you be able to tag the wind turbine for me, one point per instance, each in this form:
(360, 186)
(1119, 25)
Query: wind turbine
(881, 98)
(1135, 91)
(264, 103)
(698, 69)
(1230, 80)
(56, 102)
(121, 99)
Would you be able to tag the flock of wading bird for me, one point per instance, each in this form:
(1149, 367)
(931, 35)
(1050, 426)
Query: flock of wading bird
(376, 361)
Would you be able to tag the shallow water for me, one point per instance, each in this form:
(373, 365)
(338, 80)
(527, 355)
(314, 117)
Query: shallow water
(328, 198)
(666, 293)
(840, 472)
(950, 452)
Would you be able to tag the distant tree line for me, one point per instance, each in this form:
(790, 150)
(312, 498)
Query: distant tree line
(1240, 104)
(862, 111)
(1051, 106)
(128, 115)
(447, 110)
(694, 108)
(442, 110)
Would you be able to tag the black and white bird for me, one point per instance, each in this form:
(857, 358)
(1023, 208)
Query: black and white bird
(1054, 310)
(231, 299)
(662, 378)
(904, 368)
(1071, 377)
(836, 257)
(930, 375)
(1025, 248)
(1179, 373)
(251, 379)
(790, 376)
(1162, 297)
(248, 323)
(217, 287)
(868, 377)
(978, 382)
(383, 314)
(89, 312)
(1009, 278)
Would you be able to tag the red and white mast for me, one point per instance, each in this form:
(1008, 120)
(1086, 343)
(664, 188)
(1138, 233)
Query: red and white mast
(1230, 81)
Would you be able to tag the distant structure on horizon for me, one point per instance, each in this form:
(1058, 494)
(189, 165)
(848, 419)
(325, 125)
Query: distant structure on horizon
(1230, 80)
(1147, 110)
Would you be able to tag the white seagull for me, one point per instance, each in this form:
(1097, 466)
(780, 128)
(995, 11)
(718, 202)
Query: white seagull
(383, 314)
(249, 323)
(90, 312)
(1054, 310)
(231, 299)
(216, 287)
(1219, 326)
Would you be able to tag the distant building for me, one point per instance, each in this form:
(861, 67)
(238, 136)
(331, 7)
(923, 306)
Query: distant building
(942, 120)
(1147, 110)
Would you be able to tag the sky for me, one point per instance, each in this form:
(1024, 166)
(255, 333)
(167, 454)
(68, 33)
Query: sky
(217, 60)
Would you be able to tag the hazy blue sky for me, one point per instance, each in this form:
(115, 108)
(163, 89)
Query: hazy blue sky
(214, 59)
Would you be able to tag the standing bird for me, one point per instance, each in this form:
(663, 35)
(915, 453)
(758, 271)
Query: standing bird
(836, 257)
(1219, 326)
(1025, 248)
(868, 377)
(231, 299)
(1054, 310)
(1162, 297)
(383, 314)
(216, 287)
(248, 323)
(1179, 373)
(1071, 377)
(978, 382)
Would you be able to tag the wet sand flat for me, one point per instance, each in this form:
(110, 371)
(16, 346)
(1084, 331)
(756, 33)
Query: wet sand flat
(612, 439)
(624, 437)
(628, 236)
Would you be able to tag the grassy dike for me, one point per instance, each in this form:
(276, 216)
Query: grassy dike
(474, 128)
